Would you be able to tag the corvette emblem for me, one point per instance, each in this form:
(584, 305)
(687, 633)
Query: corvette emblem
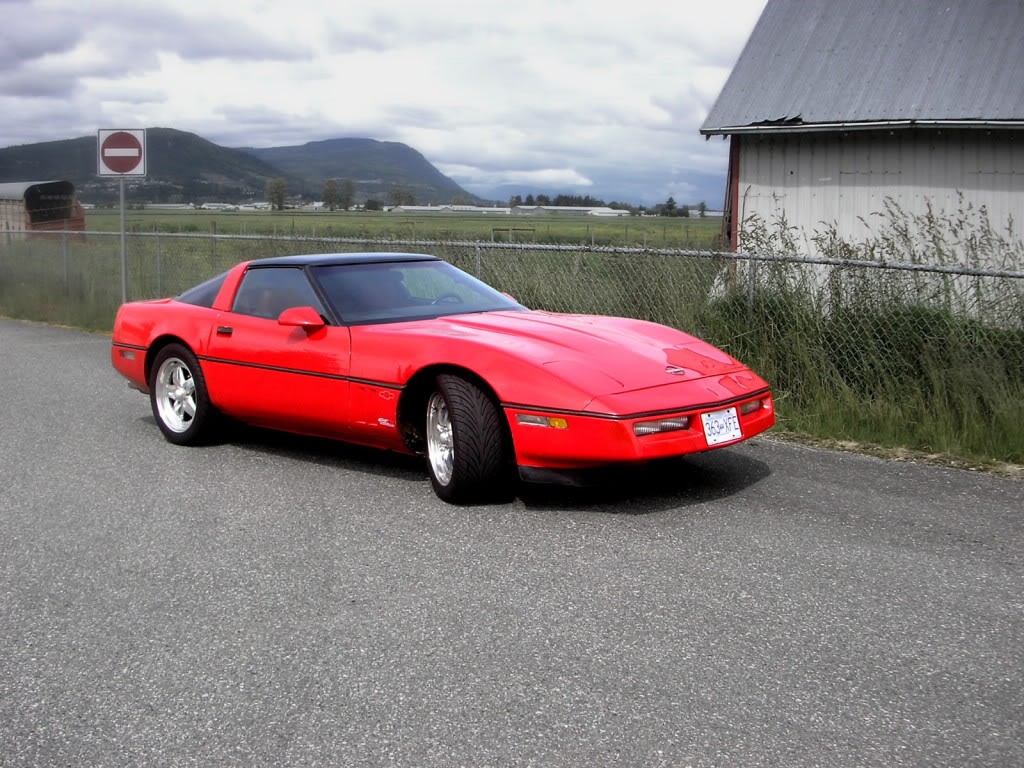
(675, 370)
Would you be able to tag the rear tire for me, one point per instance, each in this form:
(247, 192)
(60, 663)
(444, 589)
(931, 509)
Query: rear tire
(177, 394)
(467, 445)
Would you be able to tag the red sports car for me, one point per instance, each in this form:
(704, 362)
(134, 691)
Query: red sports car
(408, 353)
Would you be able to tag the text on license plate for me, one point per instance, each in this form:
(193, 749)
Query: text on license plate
(721, 426)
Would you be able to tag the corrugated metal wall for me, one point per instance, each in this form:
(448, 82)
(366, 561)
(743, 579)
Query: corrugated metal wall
(821, 179)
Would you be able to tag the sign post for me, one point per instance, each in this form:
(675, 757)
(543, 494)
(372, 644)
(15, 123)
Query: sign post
(121, 152)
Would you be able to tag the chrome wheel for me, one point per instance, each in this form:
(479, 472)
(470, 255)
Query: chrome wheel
(440, 445)
(469, 452)
(175, 395)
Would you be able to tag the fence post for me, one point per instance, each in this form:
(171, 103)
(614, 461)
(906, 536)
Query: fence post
(67, 257)
(213, 242)
(479, 261)
(751, 289)
(159, 268)
(577, 264)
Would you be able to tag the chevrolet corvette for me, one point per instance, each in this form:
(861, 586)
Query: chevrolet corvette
(405, 352)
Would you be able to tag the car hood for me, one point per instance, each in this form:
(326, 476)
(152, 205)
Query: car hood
(609, 354)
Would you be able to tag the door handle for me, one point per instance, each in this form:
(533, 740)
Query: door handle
(225, 330)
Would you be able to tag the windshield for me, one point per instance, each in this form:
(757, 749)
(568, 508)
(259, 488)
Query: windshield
(405, 290)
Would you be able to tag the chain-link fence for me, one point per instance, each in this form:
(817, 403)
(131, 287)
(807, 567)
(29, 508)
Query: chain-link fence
(930, 357)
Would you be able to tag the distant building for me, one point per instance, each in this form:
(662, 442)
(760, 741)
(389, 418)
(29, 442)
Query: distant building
(519, 210)
(568, 210)
(419, 209)
(446, 209)
(40, 206)
(835, 108)
(491, 209)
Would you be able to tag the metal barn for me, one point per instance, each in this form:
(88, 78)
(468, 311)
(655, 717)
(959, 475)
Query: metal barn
(40, 206)
(833, 108)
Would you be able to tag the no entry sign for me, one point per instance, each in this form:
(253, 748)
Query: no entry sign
(121, 152)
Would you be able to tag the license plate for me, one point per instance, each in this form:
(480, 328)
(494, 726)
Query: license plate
(721, 426)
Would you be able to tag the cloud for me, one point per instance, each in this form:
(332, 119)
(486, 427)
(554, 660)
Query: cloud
(542, 178)
(561, 92)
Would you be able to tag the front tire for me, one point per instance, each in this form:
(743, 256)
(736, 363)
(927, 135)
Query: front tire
(467, 446)
(177, 393)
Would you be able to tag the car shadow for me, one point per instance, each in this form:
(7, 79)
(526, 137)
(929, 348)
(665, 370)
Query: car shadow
(319, 450)
(655, 487)
(636, 489)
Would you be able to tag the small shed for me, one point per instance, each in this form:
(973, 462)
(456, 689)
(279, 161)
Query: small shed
(40, 206)
(836, 108)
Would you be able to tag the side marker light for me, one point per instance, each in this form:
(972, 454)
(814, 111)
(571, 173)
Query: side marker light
(553, 422)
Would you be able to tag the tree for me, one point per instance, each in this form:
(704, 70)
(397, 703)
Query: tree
(515, 200)
(374, 205)
(669, 208)
(402, 196)
(685, 211)
(703, 208)
(331, 194)
(277, 191)
(347, 196)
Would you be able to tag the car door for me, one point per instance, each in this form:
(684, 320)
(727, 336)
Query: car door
(277, 375)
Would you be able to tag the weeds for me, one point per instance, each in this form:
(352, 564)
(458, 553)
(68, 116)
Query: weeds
(924, 360)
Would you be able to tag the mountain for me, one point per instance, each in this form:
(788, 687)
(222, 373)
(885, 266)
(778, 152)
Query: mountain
(180, 167)
(375, 167)
(183, 167)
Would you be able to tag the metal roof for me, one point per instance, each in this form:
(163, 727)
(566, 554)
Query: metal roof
(15, 190)
(870, 63)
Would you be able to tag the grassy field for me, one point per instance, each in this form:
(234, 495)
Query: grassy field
(867, 356)
(646, 231)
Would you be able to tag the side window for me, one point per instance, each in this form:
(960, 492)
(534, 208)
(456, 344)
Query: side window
(204, 294)
(269, 291)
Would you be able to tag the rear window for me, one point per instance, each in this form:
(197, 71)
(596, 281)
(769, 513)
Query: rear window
(204, 294)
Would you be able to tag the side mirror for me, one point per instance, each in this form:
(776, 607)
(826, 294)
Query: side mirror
(302, 317)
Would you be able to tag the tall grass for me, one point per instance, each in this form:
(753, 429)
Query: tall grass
(929, 361)
(923, 360)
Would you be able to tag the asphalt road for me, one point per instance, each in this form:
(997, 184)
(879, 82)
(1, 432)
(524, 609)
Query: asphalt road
(279, 601)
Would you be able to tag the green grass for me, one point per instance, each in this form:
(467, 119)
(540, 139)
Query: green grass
(908, 376)
(871, 356)
(646, 231)
(932, 362)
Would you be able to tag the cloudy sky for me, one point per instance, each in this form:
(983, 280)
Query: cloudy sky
(505, 98)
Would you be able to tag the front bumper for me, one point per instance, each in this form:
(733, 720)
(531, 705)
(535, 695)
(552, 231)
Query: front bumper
(592, 440)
